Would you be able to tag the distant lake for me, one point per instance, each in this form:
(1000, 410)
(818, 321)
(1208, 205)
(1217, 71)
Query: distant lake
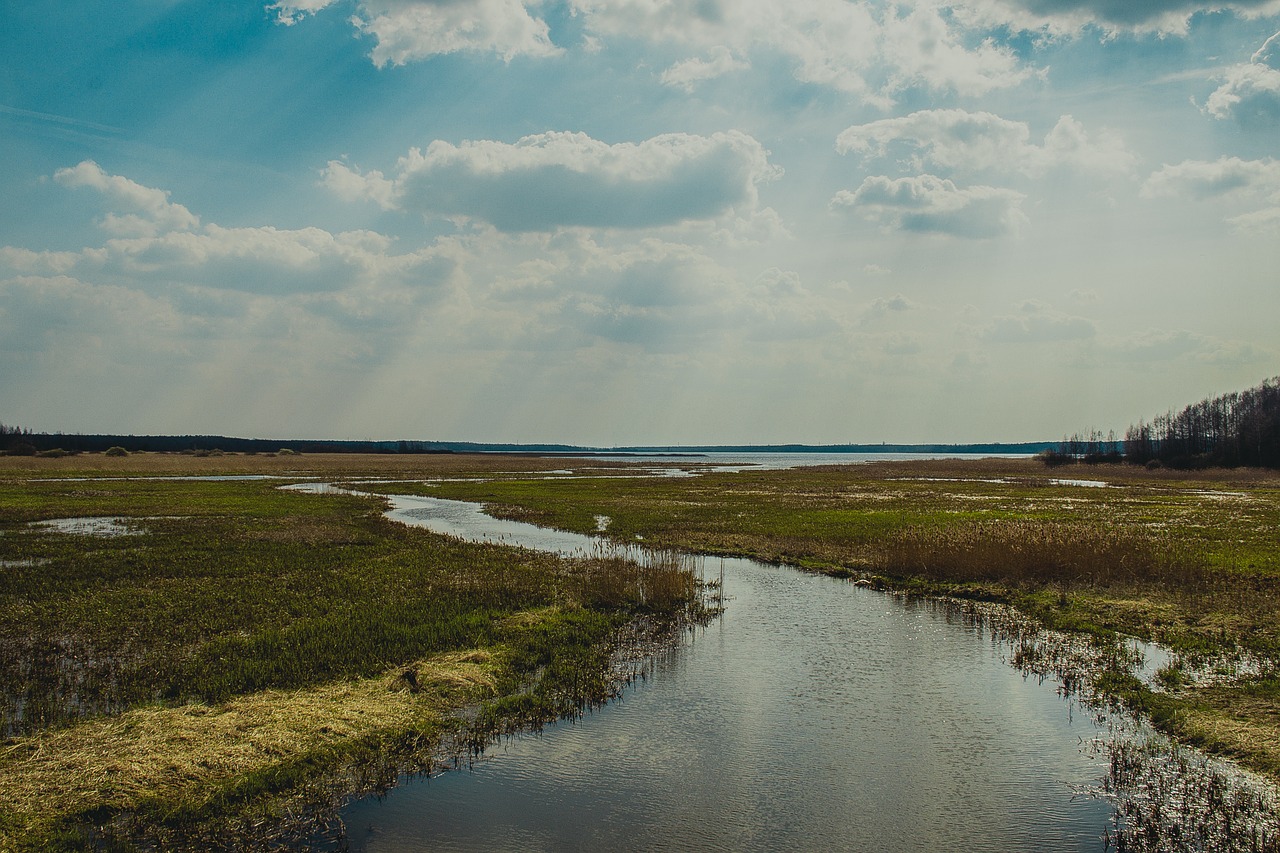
(799, 460)
(813, 714)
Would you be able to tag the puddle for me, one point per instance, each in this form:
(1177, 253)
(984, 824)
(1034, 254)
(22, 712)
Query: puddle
(91, 526)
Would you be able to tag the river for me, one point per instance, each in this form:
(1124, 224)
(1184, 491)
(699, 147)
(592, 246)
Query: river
(812, 714)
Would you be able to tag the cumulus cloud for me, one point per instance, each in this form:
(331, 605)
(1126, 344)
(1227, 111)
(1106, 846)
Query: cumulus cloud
(1201, 179)
(409, 30)
(164, 245)
(1111, 16)
(1250, 93)
(686, 74)
(956, 139)
(554, 180)
(1238, 182)
(139, 209)
(290, 12)
(835, 43)
(923, 49)
(1036, 322)
(929, 204)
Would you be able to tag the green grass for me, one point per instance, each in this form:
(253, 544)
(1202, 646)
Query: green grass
(229, 589)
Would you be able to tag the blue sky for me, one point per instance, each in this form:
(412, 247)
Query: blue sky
(635, 221)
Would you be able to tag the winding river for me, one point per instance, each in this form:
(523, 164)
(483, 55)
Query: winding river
(813, 714)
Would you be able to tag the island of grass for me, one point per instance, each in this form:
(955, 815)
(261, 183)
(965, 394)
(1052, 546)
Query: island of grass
(249, 652)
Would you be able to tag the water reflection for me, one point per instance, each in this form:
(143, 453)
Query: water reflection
(813, 714)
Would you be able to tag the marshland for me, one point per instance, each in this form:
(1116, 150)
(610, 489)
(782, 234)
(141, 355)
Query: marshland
(238, 660)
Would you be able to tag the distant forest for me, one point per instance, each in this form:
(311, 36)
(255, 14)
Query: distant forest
(1233, 430)
(1237, 429)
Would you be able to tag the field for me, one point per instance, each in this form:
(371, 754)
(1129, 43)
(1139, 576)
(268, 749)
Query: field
(247, 652)
(243, 652)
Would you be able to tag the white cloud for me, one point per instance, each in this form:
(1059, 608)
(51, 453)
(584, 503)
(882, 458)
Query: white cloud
(1264, 221)
(956, 139)
(290, 12)
(1201, 179)
(1059, 17)
(167, 246)
(1164, 347)
(923, 49)
(554, 180)
(686, 74)
(929, 204)
(139, 210)
(409, 30)
(1250, 93)
(843, 45)
(1036, 322)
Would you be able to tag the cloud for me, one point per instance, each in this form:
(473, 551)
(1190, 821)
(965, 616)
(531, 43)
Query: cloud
(956, 139)
(165, 245)
(1250, 93)
(886, 305)
(1163, 347)
(1201, 179)
(408, 30)
(1167, 17)
(843, 45)
(555, 180)
(684, 75)
(1038, 323)
(923, 50)
(139, 210)
(290, 12)
(1265, 221)
(929, 204)
(48, 314)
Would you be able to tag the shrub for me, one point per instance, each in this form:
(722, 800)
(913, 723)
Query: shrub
(54, 453)
(22, 448)
(116, 451)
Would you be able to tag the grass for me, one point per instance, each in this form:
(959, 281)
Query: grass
(1188, 559)
(235, 590)
(245, 643)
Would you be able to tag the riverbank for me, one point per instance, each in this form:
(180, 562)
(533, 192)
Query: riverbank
(1189, 560)
(226, 657)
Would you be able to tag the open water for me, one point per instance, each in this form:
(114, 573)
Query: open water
(812, 715)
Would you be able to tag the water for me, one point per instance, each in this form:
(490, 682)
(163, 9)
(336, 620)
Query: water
(813, 714)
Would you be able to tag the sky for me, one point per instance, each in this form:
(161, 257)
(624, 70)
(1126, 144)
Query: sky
(613, 222)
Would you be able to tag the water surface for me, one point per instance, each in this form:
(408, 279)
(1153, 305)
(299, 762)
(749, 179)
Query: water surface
(813, 714)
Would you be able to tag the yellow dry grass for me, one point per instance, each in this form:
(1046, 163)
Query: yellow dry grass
(118, 762)
(1245, 734)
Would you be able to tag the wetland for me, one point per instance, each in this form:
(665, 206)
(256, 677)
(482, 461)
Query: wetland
(247, 658)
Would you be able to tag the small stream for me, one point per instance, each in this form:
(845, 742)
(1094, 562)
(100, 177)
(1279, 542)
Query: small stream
(813, 714)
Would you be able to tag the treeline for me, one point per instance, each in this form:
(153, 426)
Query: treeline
(16, 441)
(1240, 428)
(1230, 431)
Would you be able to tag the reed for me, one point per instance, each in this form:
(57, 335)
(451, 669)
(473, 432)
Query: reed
(229, 593)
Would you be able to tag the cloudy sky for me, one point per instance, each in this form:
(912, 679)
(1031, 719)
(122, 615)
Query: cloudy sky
(635, 221)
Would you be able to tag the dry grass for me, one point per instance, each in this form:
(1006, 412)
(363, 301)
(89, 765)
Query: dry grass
(328, 465)
(187, 753)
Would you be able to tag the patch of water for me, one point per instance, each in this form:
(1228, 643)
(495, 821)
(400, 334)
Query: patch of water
(91, 526)
(813, 714)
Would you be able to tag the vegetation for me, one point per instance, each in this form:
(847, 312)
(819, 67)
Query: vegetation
(1190, 560)
(229, 598)
(238, 647)
(1240, 428)
(1229, 431)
